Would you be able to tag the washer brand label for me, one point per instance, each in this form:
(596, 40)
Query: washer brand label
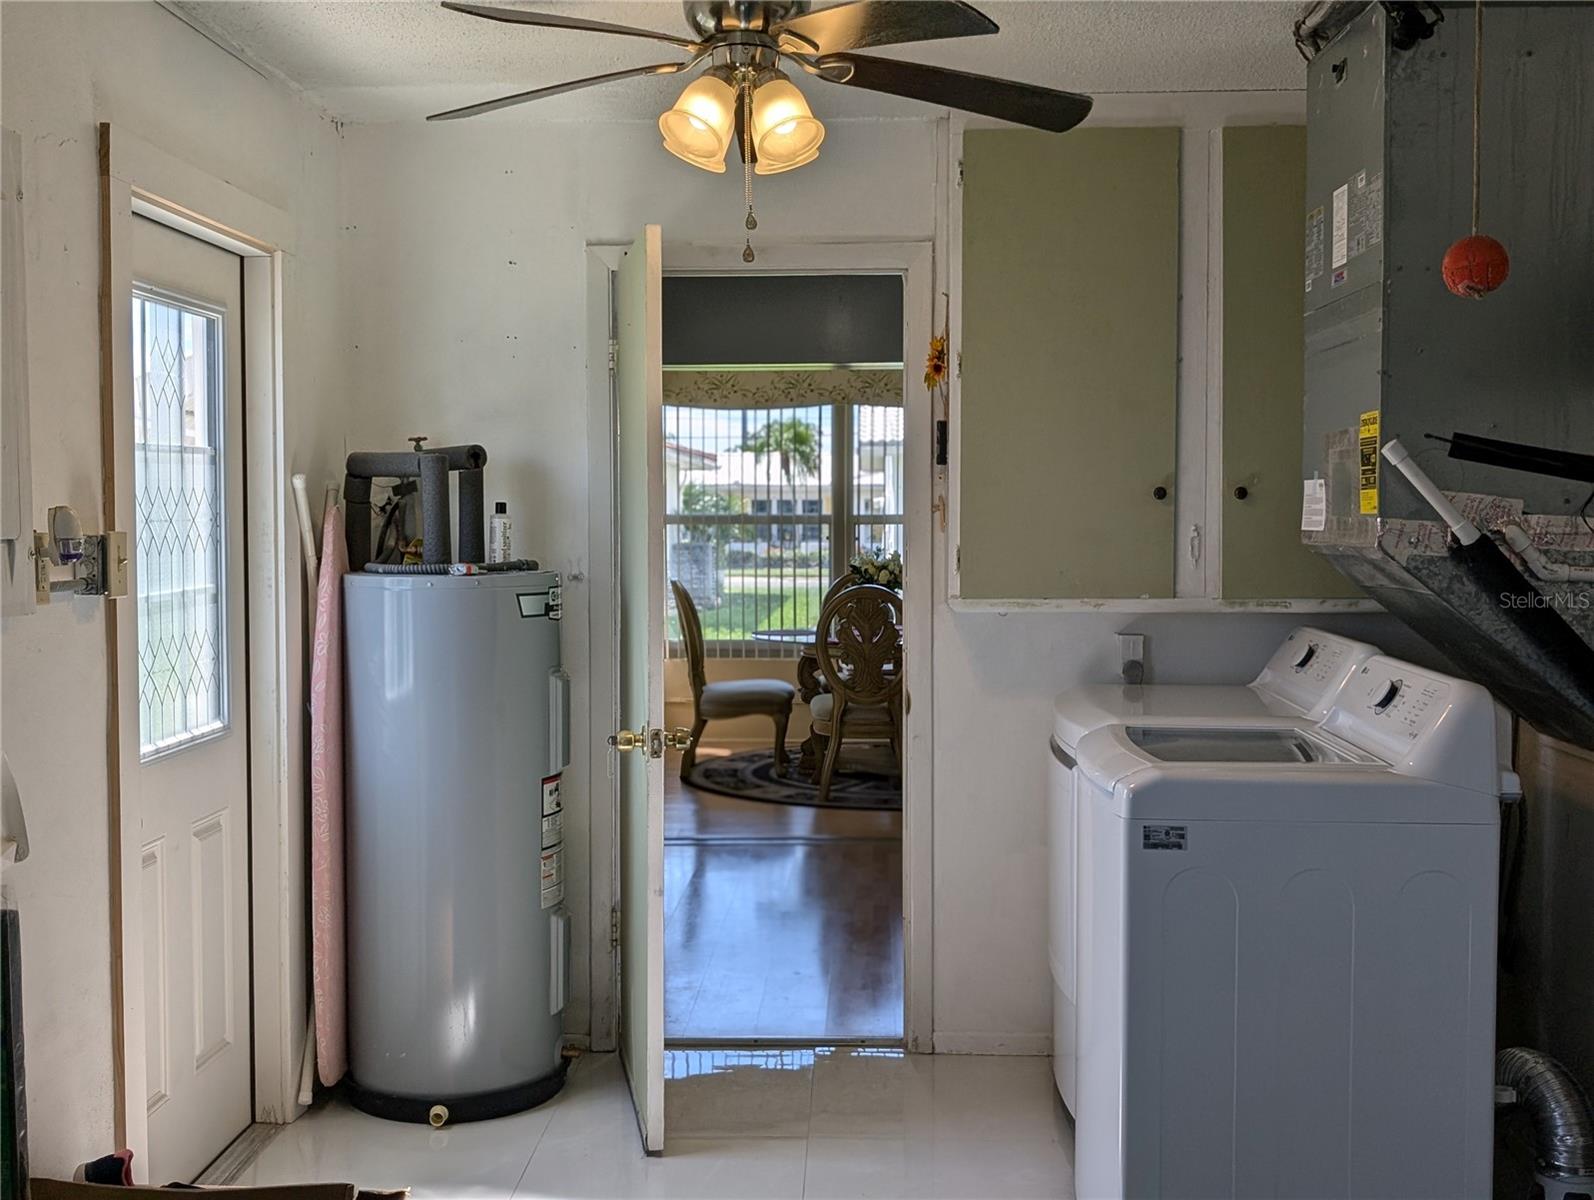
(1163, 837)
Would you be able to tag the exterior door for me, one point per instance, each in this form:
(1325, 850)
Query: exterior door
(188, 617)
(639, 520)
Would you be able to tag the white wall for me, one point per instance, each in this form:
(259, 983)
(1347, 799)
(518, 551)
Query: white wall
(465, 308)
(65, 68)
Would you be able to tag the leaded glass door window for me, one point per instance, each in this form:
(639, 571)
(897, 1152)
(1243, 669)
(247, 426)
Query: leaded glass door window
(179, 491)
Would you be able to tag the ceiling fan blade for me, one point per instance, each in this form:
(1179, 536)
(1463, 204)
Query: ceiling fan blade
(559, 89)
(519, 16)
(865, 23)
(1020, 103)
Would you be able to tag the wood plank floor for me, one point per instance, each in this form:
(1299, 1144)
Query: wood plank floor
(779, 921)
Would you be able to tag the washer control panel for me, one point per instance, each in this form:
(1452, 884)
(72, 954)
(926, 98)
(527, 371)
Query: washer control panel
(1309, 667)
(1420, 722)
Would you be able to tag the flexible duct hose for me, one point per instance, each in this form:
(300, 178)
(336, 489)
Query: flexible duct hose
(1562, 1123)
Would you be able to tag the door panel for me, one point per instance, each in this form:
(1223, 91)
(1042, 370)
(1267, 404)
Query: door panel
(639, 462)
(1069, 363)
(187, 621)
(1264, 243)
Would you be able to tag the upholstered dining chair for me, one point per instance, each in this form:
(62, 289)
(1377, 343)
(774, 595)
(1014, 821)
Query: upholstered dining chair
(730, 697)
(859, 645)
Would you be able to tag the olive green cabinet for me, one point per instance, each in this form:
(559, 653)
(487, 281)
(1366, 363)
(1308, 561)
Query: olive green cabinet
(1264, 202)
(1068, 425)
(1069, 360)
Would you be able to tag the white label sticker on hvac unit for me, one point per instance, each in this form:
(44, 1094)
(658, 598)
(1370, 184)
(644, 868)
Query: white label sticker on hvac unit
(553, 876)
(1314, 245)
(553, 813)
(1341, 225)
(1314, 505)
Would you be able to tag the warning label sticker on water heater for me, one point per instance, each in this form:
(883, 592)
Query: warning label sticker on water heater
(553, 813)
(553, 876)
(553, 843)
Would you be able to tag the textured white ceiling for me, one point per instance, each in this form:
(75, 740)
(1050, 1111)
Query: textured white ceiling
(396, 60)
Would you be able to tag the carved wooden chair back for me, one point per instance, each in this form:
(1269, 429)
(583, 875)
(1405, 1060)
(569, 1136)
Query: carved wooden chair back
(859, 646)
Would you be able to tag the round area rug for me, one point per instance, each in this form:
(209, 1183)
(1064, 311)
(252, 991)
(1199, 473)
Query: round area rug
(750, 775)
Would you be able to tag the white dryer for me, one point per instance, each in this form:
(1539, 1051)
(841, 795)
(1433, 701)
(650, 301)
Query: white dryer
(1287, 949)
(1300, 680)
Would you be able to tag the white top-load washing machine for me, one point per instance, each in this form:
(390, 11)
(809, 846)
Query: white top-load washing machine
(1300, 680)
(1287, 948)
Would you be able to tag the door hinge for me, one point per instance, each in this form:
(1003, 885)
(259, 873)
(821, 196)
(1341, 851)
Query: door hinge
(960, 172)
(614, 355)
(957, 558)
(614, 927)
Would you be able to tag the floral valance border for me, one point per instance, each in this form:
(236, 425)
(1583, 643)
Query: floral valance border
(782, 389)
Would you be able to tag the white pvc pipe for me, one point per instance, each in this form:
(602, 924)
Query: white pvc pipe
(307, 538)
(1540, 566)
(1399, 458)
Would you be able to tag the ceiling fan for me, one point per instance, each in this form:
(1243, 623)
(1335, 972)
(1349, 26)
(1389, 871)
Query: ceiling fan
(742, 91)
(739, 46)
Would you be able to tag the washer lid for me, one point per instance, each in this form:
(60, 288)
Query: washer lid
(1082, 709)
(1287, 772)
(1283, 744)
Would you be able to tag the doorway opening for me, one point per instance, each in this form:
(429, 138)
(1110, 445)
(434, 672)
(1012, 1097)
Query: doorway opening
(784, 484)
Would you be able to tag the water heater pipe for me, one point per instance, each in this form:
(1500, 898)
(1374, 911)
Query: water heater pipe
(432, 468)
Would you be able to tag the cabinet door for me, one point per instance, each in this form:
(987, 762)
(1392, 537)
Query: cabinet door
(1069, 363)
(1264, 212)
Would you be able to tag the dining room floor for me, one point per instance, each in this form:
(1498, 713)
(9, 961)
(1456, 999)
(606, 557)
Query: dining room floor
(780, 921)
(829, 1122)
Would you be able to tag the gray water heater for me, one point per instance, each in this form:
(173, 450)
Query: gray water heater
(457, 735)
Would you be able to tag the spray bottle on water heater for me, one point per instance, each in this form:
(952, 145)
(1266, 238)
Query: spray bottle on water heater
(498, 534)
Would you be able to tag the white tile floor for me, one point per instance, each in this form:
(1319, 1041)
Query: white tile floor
(740, 1124)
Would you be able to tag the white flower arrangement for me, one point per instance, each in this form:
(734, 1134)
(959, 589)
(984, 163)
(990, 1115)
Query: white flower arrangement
(875, 565)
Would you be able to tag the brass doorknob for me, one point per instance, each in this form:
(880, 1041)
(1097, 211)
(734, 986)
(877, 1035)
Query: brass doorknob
(677, 738)
(625, 740)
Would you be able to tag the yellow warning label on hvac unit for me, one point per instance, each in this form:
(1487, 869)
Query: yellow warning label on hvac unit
(1367, 445)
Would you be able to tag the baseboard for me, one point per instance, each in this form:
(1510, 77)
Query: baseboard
(1029, 1044)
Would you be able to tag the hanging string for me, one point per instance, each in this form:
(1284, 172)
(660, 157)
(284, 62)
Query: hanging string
(1477, 112)
(747, 166)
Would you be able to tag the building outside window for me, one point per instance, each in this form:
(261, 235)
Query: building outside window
(774, 479)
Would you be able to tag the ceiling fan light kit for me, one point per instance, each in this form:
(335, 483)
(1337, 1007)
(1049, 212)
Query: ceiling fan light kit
(786, 134)
(698, 128)
(744, 96)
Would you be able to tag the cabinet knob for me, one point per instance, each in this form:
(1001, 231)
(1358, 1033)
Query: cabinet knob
(1159, 492)
(1241, 492)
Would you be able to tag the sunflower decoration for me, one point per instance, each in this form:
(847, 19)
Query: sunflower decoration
(935, 363)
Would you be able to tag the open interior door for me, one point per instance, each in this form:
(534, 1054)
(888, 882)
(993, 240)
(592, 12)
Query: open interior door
(639, 470)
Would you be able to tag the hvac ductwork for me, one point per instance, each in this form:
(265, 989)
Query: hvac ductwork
(1558, 1106)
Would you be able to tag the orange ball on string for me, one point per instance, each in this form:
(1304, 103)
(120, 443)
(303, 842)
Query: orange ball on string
(1475, 266)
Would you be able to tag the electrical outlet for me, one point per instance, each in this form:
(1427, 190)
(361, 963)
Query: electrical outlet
(1132, 655)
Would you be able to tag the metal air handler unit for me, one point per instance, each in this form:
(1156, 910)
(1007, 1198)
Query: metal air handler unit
(457, 734)
(1390, 352)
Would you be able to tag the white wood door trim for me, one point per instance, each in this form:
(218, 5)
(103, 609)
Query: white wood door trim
(915, 262)
(138, 178)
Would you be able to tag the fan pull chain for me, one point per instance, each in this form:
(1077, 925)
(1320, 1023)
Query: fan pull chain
(747, 168)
